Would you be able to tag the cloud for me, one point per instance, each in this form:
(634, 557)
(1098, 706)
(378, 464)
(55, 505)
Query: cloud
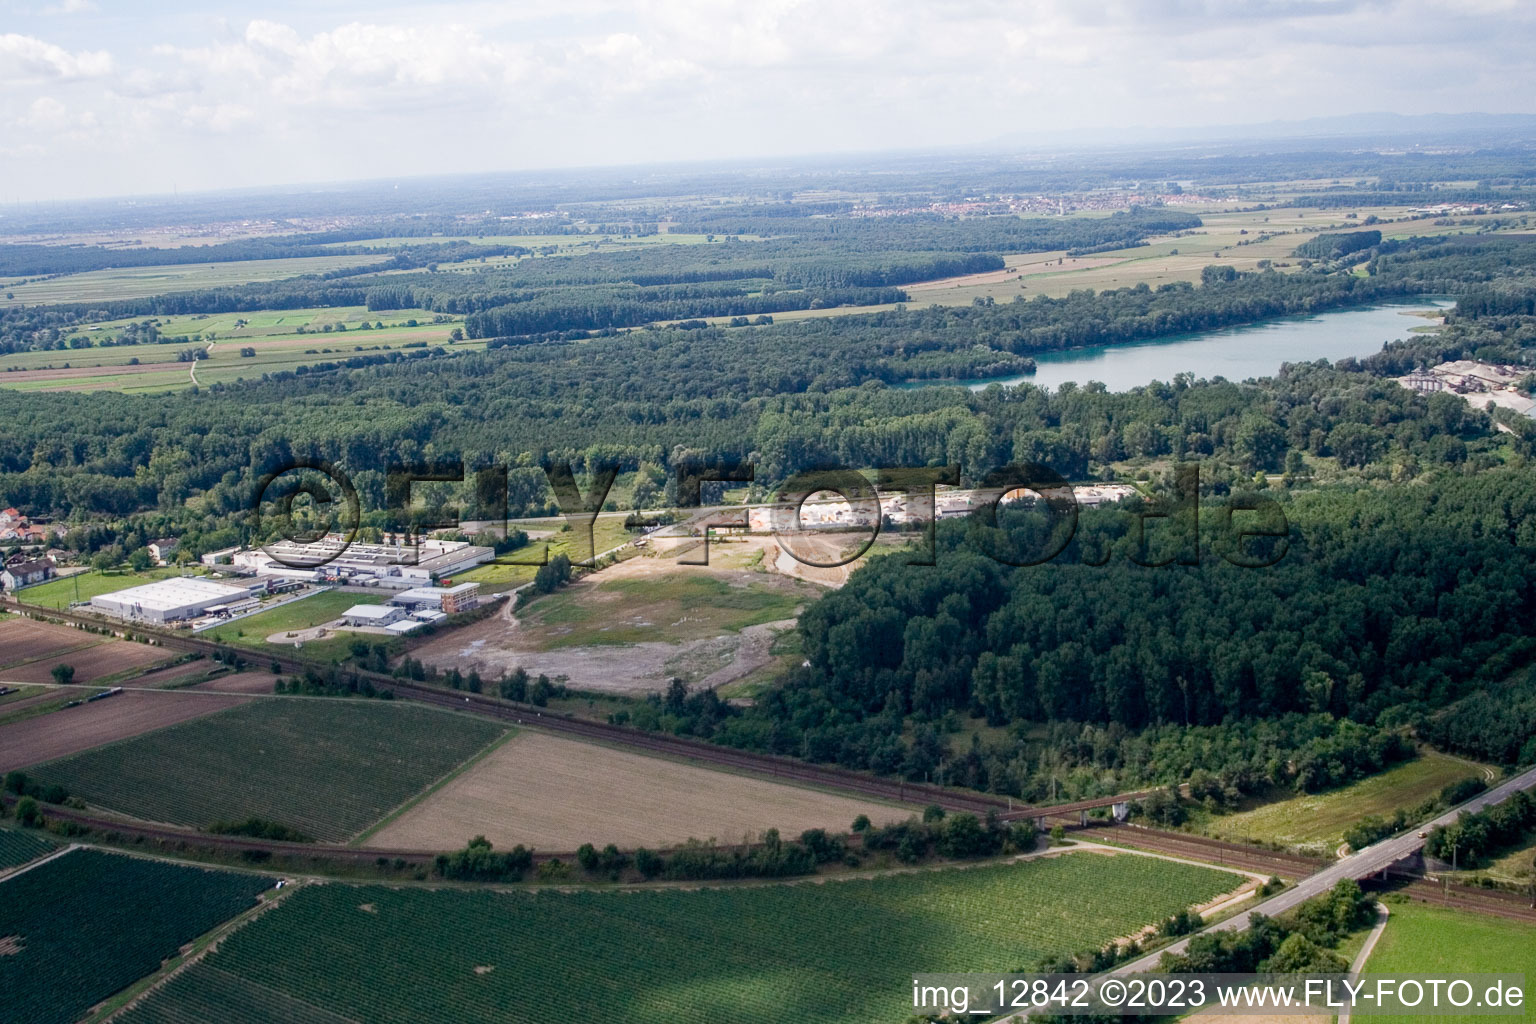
(26, 59)
(355, 65)
(471, 85)
(71, 7)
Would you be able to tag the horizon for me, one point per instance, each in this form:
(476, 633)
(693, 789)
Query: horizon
(104, 104)
(1216, 136)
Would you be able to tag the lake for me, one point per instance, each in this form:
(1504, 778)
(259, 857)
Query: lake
(1236, 353)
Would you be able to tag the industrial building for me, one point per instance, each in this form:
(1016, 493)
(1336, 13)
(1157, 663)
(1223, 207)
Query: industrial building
(372, 615)
(334, 559)
(176, 599)
(448, 600)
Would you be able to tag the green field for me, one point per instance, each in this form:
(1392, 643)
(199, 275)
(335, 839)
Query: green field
(252, 631)
(1434, 942)
(141, 282)
(607, 532)
(673, 608)
(18, 847)
(61, 593)
(79, 928)
(1318, 820)
(328, 767)
(238, 345)
(772, 954)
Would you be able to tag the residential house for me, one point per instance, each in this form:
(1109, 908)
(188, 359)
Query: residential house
(24, 574)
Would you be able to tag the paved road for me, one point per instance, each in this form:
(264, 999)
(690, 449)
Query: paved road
(1356, 866)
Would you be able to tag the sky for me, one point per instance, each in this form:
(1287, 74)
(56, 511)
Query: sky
(100, 98)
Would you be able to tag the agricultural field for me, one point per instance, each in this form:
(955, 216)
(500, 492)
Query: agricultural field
(131, 713)
(21, 693)
(1436, 942)
(832, 952)
(328, 767)
(239, 682)
(1232, 237)
(64, 591)
(185, 673)
(142, 282)
(17, 847)
(538, 790)
(236, 345)
(85, 925)
(257, 632)
(1317, 821)
(27, 640)
(102, 662)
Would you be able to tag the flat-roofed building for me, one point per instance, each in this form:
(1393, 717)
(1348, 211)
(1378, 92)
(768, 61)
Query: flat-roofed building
(383, 564)
(461, 597)
(169, 600)
(372, 615)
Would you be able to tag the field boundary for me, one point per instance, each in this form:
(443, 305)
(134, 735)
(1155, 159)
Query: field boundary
(124, 1000)
(56, 653)
(480, 755)
(21, 869)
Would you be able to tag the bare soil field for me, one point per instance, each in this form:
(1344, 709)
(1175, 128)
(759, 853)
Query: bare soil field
(632, 627)
(552, 793)
(69, 373)
(90, 664)
(174, 675)
(240, 682)
(23, 640)
(71, 730)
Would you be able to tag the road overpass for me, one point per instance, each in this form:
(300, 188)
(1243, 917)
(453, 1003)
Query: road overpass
(1367, 862)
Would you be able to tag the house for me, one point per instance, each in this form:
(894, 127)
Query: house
(24, 574)
(162, 551)
(18, 558)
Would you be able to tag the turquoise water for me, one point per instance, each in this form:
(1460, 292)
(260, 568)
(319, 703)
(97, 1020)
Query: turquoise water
(1236, 353)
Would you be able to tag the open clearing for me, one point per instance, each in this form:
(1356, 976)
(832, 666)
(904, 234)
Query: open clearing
(834, 953)
(1433, 942)
(552, 793)
(327, 766)
(632, 627)
(1318, 820)
(71, 730)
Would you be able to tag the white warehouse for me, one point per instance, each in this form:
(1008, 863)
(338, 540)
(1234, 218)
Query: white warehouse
(168, 600)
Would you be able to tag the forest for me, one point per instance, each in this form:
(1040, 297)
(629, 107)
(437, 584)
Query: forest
(793, 396)
(799, 263)
(1390, 609)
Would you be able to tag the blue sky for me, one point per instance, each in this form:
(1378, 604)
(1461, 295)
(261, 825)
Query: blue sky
(103, 98)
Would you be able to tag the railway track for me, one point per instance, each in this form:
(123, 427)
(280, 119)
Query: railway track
(657, 744)
(1238, 855)
(769, 765)
(1464, 897)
